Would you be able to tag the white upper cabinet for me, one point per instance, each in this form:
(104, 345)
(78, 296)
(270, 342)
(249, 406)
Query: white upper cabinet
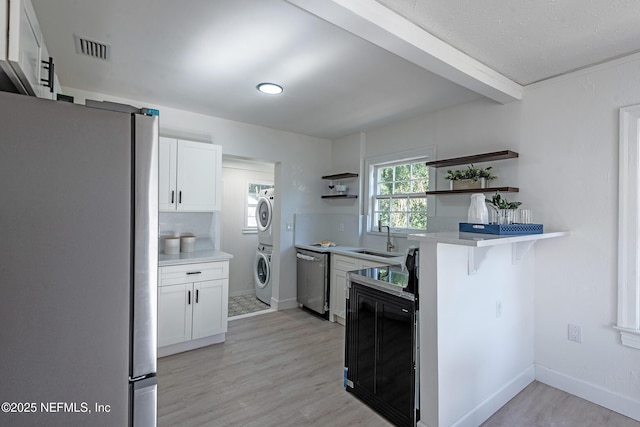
(24, 57)
(167, 163)
(189, 176)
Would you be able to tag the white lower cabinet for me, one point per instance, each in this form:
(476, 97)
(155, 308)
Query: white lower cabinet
(340, 266)
(192, 306)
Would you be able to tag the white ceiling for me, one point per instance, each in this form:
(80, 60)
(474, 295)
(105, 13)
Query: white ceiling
(207, 56)
(530, 40)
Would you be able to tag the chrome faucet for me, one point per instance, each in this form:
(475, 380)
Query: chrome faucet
(389, 244)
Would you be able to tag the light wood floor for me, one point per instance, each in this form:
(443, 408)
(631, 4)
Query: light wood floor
(285, 369)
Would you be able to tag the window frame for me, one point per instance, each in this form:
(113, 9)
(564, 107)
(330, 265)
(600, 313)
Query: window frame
(628, 323)
(247, 229)
(394, 159)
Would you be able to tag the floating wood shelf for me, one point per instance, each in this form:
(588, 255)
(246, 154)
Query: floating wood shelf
(476, 190)
(340, 196)
(477, 158)
(341, 176)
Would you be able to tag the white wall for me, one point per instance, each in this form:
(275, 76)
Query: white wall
(566, 131)
(235, 178)
(300, 162)
(570, 133)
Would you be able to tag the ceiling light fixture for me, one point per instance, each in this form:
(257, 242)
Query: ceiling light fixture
(270, 88)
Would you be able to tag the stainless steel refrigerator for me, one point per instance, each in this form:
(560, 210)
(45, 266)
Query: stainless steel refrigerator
(78, 264)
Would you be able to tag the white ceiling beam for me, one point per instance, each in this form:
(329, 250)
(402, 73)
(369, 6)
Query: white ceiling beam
(381, 26)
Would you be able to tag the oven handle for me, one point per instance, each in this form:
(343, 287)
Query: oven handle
(307, 257)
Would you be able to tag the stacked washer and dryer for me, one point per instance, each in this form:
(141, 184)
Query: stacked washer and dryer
(262, 265)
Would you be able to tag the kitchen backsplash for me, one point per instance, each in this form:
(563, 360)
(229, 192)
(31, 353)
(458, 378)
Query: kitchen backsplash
(314, 228)
(200, 224)
(346, 230)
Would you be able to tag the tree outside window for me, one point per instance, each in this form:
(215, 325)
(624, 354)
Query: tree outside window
(399, 198)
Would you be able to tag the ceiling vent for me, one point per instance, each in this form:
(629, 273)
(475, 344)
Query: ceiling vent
(92, 48)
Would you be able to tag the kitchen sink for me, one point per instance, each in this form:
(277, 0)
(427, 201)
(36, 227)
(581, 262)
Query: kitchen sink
(380, 254)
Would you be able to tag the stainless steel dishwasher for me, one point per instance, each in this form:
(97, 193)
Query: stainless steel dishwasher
(313, 281)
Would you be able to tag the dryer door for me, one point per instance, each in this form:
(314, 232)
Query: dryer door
(262, 270)
(264, 212)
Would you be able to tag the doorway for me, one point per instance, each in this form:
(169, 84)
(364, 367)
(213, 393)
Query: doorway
(242, 180)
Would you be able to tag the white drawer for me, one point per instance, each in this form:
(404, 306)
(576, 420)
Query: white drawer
(199, 272)
(344, 263)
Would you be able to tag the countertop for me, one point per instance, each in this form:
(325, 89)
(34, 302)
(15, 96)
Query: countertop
(208, 255)
(398, 257)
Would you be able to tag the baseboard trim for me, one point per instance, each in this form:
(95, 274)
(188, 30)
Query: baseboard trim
(485, 409)
(490, 405)
(190, 345)
(283, 304)
(605, 398)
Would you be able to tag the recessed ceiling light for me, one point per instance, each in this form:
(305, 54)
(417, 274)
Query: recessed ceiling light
(269, 88)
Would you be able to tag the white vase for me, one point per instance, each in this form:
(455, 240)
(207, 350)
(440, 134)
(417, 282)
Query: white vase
(478, 212)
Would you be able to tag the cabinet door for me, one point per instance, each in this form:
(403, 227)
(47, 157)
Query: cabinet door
(210, 308)
(199, 175)
(362, 343)
(340, 288)
(24, 47)
(395, 368)
(167, 163)
(175, 304)
(340, 265)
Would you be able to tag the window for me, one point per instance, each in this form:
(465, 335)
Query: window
(253, 195)
(398, 186)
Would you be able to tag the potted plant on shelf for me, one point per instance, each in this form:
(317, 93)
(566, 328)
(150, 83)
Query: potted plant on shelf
(470, 178)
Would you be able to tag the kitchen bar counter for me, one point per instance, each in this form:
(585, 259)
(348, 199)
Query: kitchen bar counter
(208, 255)
(477, 329)
(482, 240)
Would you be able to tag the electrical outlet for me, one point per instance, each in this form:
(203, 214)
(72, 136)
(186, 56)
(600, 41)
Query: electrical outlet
(498, 309)
(289, 226)
(341, 227)
(575, 333)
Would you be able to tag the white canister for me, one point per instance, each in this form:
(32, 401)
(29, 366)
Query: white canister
(171, 245)
(188, 243)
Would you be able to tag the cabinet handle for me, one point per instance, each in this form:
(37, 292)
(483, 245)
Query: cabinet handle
(173, 193)
(197, 294)
(193, 272)
(50, 80)
(188, 297)
(179, 196)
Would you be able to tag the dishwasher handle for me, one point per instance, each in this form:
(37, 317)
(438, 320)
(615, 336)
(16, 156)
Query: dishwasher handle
(307, 257)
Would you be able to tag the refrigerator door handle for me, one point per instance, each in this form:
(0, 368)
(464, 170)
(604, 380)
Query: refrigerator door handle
(145, 251)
